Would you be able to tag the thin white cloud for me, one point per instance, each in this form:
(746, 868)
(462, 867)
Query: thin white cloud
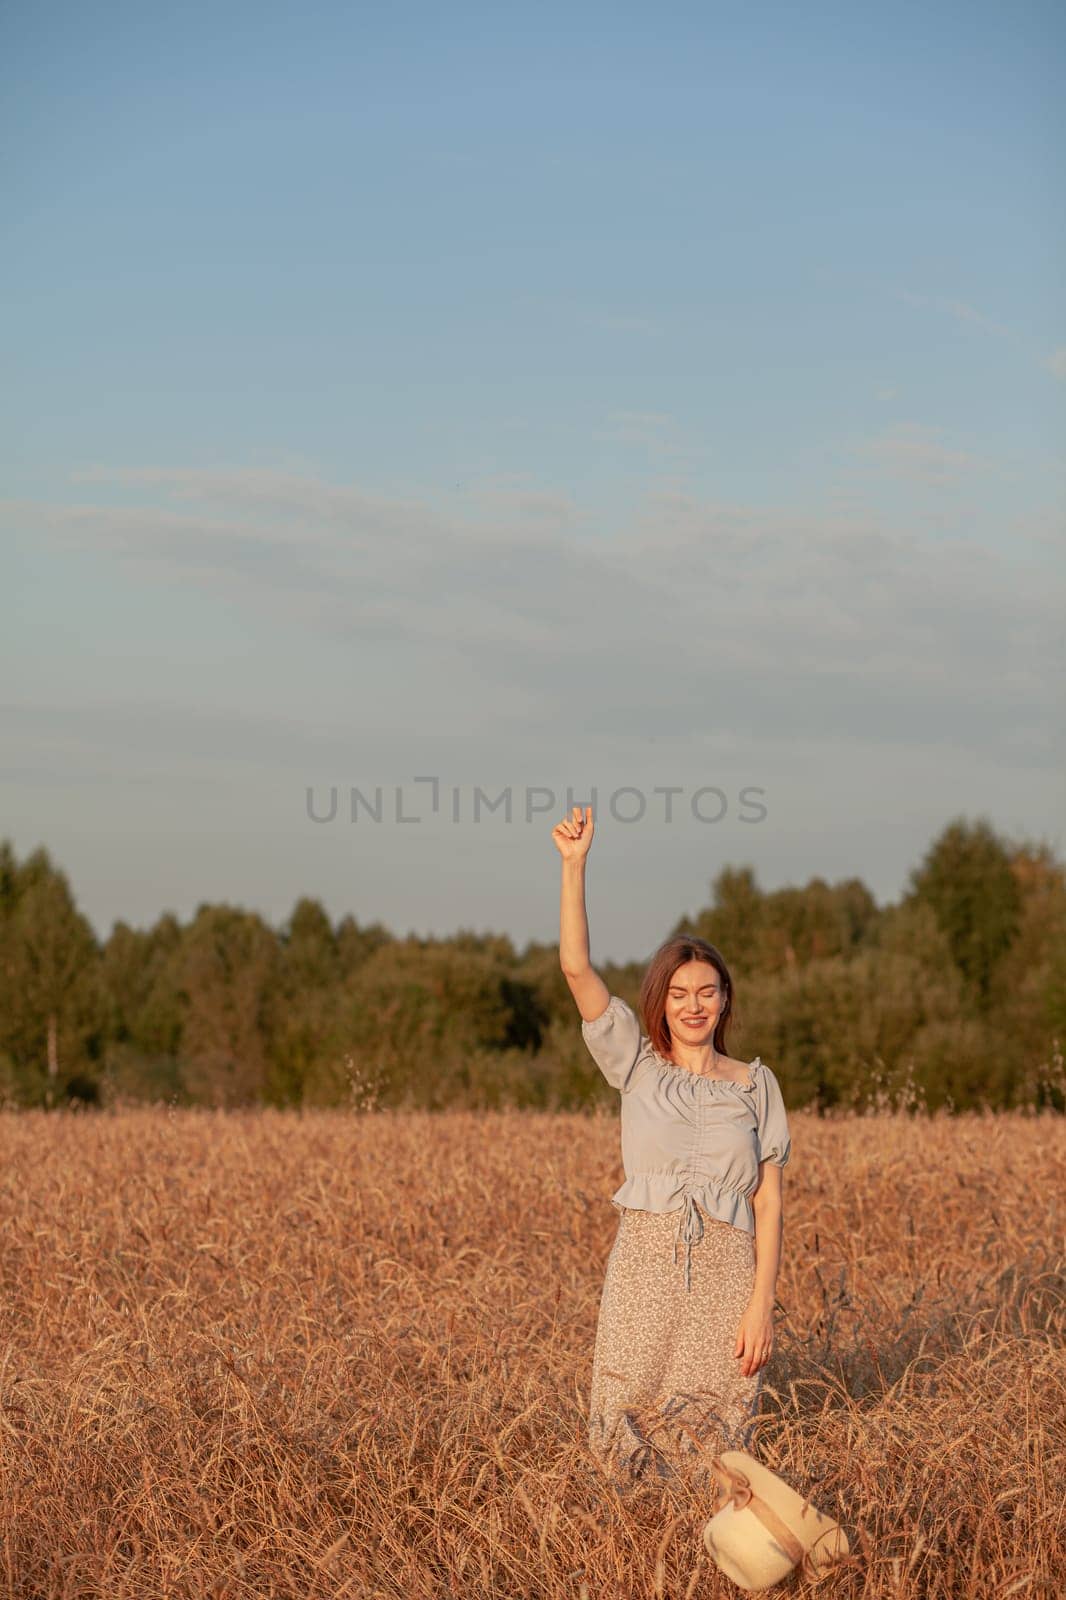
(959, 309)
(771, 623)
(914, 452)
(509, 498)
(962, 311)
(267, 491)
(654, 432)
(1044, 527)
(1056, 362)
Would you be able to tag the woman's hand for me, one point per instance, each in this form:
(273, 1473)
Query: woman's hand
(755, 1338)
(574, 834)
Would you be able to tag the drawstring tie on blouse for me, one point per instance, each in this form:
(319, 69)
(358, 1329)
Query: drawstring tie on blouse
(690, 1229)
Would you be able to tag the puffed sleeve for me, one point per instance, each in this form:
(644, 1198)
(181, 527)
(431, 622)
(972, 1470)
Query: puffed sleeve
(613, 1039)
(775, 1141)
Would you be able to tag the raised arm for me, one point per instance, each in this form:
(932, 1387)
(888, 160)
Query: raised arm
(573, 836)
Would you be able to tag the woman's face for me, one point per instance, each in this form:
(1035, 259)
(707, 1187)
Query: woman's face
(694, 1002)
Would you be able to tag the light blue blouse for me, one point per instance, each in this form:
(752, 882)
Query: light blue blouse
(687, 1141)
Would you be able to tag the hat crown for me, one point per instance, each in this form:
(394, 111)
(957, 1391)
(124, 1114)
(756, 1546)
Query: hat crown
(762, 1528)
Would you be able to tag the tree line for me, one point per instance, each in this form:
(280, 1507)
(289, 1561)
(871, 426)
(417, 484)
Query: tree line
(953, 997)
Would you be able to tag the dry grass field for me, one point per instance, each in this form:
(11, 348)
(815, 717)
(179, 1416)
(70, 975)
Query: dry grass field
(264, 1354)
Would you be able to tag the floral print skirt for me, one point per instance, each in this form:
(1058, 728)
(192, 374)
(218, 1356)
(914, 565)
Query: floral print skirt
(667, 1391)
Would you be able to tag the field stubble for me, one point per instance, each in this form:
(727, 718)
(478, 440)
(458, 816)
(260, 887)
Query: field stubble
(269, 1354)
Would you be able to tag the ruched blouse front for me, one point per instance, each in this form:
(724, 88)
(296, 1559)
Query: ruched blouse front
(687, 1141)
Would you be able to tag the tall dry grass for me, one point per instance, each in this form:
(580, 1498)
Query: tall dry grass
(272, 1355)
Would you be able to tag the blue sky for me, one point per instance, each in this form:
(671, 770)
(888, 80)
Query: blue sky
(611, 396)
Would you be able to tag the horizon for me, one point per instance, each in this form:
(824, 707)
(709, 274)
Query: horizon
(521, 945)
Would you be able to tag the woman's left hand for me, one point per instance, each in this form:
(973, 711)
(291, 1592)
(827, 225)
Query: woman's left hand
(755, 1339)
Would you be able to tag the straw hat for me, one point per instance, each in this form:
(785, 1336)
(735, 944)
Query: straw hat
(762, 1529)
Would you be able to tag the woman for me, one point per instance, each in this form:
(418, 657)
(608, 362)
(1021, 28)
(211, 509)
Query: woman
(679, 1346)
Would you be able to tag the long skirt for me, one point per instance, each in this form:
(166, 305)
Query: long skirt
(667, 1391)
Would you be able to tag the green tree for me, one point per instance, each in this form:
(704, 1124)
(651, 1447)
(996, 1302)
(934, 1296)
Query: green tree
(1027, 1004)
(52, 1018)
(356, 945)
(228, 966)
(848, 1032)
(140, 984)
(140, 979)
(967, 879)
(733, 921)
(303, 1009)
(424, 1018)
(785, 928)
(309, 947)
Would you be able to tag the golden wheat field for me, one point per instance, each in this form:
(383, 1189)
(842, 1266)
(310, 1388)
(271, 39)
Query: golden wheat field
(272, 1354)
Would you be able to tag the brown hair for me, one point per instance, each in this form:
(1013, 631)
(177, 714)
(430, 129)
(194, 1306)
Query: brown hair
(655, 986)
